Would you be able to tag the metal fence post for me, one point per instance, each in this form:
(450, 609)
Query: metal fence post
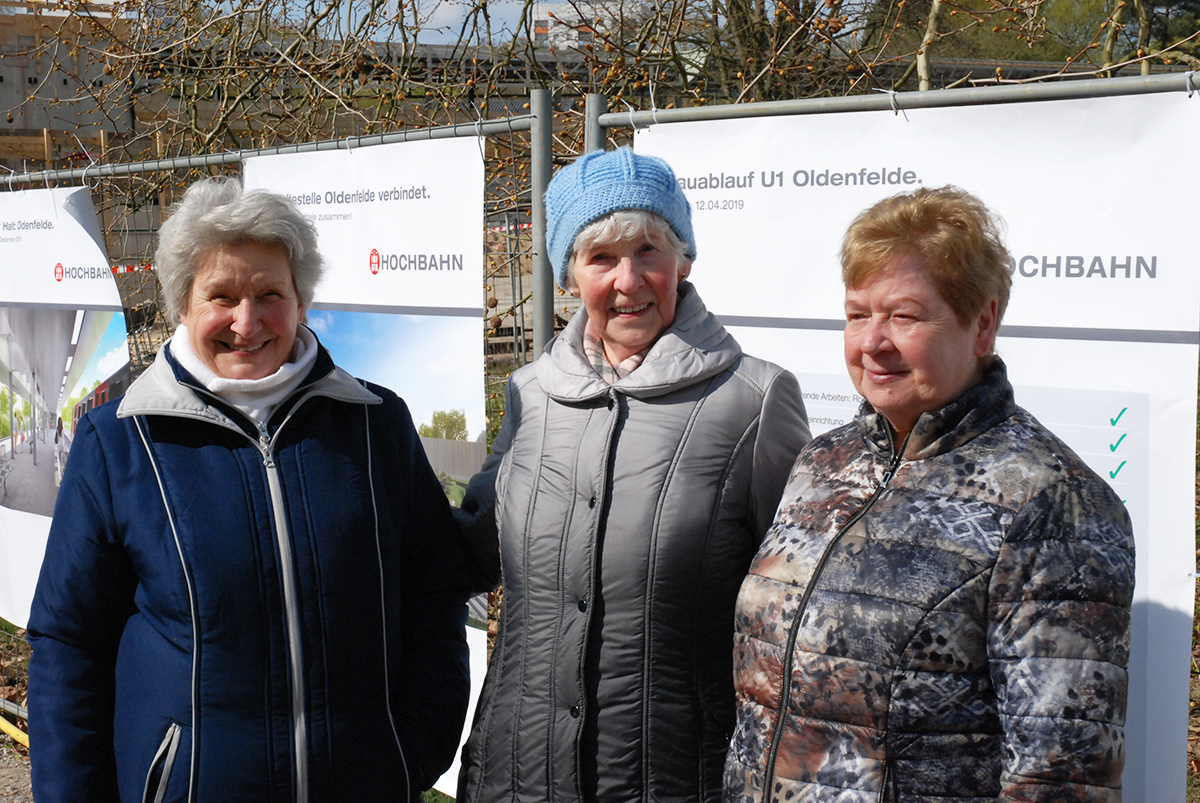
(594, 105)
(541, 145)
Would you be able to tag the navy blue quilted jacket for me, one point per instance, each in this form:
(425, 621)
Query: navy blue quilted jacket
(232, 615)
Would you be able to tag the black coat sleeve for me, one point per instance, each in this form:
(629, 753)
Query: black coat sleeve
(434, 686)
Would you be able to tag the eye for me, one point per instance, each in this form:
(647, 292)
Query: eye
(647, 248)
(855, 314)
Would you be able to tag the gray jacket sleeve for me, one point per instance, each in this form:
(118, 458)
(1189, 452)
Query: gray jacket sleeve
(782, 433)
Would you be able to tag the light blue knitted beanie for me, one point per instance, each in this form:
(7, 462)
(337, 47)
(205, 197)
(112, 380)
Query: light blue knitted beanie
(601, 182)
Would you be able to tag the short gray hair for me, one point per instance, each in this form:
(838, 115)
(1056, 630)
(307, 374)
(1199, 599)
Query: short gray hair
(216, 212)
(627, 224)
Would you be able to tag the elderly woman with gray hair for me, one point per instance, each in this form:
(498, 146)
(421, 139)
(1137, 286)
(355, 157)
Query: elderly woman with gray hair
(639, 464)
(252, 589)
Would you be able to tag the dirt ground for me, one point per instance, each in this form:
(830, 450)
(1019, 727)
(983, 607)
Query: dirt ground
(14, 774)
(1193, 764)
(14, 759)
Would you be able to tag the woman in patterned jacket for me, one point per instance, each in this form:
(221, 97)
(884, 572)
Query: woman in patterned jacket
(941, 608)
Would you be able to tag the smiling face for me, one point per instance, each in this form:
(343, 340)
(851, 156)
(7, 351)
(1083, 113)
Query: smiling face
(906, 350)
(629, 289)
(242, 311)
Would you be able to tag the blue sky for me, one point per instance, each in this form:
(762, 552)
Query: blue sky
(111, 353)
(447, 17)
(433, 363)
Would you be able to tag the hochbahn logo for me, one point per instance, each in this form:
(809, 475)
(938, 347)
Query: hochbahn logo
(439, 262)
(80, 272)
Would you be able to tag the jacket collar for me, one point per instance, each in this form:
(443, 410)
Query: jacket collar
(166, 388)
(978, 409)
(694, 347)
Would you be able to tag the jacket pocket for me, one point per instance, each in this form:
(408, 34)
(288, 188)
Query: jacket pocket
(160, 767)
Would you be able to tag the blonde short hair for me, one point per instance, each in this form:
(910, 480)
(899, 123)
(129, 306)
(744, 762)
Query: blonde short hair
(957, 239)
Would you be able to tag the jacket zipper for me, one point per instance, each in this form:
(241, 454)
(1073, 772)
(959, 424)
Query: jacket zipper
(291, 608)
(887, 792)
(291, 613)
(785, 692)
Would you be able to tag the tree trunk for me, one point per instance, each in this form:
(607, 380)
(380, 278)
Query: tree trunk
(1110, 36)
(1143, 34)
(931, 36)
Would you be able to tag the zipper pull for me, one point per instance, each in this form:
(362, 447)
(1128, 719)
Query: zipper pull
(264, 445)
(897, 458)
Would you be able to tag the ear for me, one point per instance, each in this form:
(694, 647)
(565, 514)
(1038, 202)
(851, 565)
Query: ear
(986, 325)
(685, 269)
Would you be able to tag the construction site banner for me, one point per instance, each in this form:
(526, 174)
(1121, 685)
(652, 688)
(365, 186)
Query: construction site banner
(1100, 338)
(63, 350)
(400, 224)
(401, 231)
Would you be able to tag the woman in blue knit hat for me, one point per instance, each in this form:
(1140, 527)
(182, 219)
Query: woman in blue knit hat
(640, 463)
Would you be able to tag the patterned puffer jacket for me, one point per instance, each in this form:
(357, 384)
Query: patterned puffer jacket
(952, 622)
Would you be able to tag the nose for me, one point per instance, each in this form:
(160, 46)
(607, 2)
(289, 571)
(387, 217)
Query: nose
(245, 318)
(873, 336)
(628, 277)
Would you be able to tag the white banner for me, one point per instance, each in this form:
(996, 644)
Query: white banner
(1100, 337)
(59, 337)
(52, 252)
(400, 225)
(401, 231)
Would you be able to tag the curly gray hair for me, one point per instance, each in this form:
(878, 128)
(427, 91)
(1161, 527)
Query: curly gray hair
(216, 212)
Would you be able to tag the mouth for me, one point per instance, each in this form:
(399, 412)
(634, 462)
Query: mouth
(244, 349)
(631, 310)
(880, 375)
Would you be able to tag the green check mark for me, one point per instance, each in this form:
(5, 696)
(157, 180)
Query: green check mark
(1113, 474)
(1114, 421)
(1112, 447)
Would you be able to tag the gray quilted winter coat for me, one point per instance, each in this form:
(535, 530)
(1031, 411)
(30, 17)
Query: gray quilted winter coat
(628, 515)
(953, 623)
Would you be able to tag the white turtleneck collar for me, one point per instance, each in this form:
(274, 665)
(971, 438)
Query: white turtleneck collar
(257, 398)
